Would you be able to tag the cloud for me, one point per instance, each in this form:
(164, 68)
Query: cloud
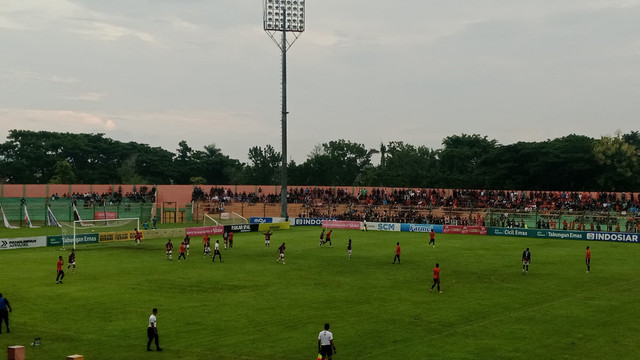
(85, 118)
(87, 97)
(109, 32)
(25, 75)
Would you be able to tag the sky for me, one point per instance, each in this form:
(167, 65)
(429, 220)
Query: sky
(161, 71)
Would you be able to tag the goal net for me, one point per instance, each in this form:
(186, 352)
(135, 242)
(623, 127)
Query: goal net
(231, 218)
(71, 231)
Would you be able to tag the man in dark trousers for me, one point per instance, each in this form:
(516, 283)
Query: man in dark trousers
(326, 347)
(4, 314)
(152, 331)
(526, 261)
(59, 271)
(397, 253)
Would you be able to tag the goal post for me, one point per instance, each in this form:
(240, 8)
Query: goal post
(209, 221)
(232, 218)
(70, 230)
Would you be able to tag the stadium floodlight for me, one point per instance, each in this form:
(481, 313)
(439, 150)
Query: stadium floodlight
(284, 16)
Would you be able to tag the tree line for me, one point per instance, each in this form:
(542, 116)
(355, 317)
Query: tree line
(573, 162)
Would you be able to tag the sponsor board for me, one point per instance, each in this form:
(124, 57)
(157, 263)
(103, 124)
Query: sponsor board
(68, 239)
(466, 230)
(609, 236)
(309, 221)
(22, 243)
(380, 226)
(260, 220)
(275, 226)
(205, 230)
(241, 227)
(110, 236)
(102, 215)
(421, 228)
(538, 233)
(118, 236)
(334, 224)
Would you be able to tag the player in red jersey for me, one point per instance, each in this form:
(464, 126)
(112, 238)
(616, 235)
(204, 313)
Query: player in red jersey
(267, 239)
(230, 239)
(432, 238)
(436, 278)
(169, 247)
(205, 242)
(588, 259)
(397, 253)
(181, 252)
(138, 236)
(60, 272)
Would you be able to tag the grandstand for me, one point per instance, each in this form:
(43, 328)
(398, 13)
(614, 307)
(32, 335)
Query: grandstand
(184, 203)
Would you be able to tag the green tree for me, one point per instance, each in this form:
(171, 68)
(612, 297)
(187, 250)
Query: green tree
(461, 158)
(62, 173)
(619, 161)
(264, 167)
(335, 163)
(405, 165)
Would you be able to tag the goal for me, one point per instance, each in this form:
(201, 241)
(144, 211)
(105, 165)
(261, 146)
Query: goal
(231, 218)
(71, 230)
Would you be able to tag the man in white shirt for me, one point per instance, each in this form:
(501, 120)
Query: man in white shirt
(326, 348)
(152, 331)
(216, 251)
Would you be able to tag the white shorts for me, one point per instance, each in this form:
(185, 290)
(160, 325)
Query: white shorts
(169, 252)
(526, 262)
(186, 246)
(281, 255)
(267, 242)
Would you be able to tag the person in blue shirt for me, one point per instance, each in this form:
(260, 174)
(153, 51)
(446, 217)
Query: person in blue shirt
(4, 314)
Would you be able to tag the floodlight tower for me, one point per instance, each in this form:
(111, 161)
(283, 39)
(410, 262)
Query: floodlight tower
(285, 16)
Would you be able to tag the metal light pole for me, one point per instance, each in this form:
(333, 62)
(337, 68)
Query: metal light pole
(285, 16)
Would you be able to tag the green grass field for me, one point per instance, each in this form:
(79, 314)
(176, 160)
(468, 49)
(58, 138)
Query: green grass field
(250, 307)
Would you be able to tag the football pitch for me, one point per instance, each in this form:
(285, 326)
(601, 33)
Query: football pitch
(250, 307)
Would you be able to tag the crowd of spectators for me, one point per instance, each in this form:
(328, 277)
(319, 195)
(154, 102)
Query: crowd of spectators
(450, 206)
(89, 199)
(437, 198)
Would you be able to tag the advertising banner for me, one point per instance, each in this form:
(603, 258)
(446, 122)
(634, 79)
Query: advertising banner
(334, 224)
(466, 230)
(22, 243)
(105, 215)
(308, 221)
(260, 220)
(421, 228)
(383, 226)
(104, 237)
(205, 230)
(241, 227)
(274, 226)
(538, 233)
(609, 236)
(80, 239)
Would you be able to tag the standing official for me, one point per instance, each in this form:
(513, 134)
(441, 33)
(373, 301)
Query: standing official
(326, 347)
(152, 331)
